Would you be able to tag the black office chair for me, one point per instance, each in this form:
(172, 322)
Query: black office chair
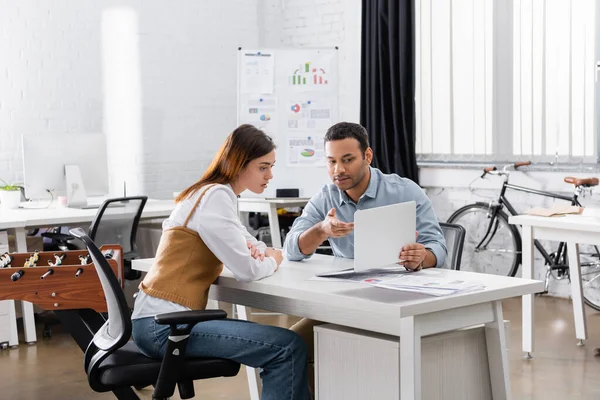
(116, 222)
(113, 363)
(455, 239)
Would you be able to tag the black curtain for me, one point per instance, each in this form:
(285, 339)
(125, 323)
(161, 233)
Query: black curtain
(387, 84)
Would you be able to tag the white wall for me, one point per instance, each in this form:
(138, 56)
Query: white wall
(51, 79)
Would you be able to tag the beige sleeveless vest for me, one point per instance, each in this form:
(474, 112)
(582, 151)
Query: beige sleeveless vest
(184, 267)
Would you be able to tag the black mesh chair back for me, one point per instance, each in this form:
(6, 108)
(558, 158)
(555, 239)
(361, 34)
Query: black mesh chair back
(455, 239)
(117, 221)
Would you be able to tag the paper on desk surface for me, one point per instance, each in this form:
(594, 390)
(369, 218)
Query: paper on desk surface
(555, 211)
(428, 281)
(348, 275)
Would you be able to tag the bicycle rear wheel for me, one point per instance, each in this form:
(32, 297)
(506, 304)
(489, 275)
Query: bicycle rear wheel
(590, 275)
(500, 252)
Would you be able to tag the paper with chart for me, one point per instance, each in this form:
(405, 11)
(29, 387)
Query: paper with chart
(427, 281)
(260, 111)
(311, 73)
(307, 120)
(309, 113)
(305, 150)
(257, 72)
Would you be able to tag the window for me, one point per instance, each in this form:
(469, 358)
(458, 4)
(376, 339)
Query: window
(505, 80)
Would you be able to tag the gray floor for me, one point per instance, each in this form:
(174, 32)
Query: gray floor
(53, 369)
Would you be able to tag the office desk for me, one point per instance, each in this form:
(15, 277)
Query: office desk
(270, 206)
(408, 316)
(18, 221)
(570, 229)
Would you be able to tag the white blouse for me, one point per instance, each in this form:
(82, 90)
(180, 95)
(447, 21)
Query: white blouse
(216, 221)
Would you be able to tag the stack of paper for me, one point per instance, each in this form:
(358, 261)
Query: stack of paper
(349, 275)
(429, 282)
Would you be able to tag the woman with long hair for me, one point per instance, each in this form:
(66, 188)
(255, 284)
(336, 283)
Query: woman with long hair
(202, 234)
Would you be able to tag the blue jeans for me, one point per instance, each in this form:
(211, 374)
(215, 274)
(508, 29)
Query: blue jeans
(280, 353)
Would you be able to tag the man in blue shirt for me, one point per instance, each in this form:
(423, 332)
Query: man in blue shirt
(358, 186)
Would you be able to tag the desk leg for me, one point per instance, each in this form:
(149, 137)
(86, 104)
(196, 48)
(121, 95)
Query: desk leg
(13, 338)
(26, 307)
(251, 372)
(410, 359)
(274, 227)
(527, 301)
(495, 337)
(577, 291)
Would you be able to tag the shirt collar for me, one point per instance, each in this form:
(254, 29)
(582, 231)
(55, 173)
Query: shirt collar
(371, 189)
(373, 184)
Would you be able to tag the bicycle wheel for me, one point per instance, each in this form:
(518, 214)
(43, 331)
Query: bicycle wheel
(500, 253)
(590, 275)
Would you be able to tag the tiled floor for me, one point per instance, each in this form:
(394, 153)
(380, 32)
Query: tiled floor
(53, 369)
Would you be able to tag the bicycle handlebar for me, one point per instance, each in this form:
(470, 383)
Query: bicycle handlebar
(487, 171)
(494, 170)
(521, 164)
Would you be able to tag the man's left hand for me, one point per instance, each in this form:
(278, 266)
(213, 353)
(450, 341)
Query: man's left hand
(412, 255)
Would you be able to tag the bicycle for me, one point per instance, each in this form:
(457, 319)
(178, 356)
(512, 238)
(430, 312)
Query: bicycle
(492, 245)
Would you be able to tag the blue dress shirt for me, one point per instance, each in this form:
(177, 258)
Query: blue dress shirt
(383, 190)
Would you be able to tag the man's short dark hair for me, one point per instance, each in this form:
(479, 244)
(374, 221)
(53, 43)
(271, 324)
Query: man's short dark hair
(348, 130)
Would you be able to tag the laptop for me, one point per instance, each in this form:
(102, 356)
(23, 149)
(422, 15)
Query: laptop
(381, 232)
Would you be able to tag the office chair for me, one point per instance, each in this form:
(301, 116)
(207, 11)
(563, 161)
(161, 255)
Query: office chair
(116, 222)
(113, 363)
(455, 239)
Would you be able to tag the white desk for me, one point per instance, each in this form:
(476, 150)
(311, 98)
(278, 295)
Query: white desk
(270, 206)
(408, 316)
(571, 230)
(17, 222)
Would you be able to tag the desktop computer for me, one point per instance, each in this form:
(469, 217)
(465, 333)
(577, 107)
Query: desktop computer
(71, 165)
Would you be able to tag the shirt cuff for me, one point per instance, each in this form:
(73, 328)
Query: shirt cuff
(438, 251)
(292, 248)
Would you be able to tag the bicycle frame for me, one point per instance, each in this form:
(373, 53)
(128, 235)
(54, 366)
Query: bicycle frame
(504, 202)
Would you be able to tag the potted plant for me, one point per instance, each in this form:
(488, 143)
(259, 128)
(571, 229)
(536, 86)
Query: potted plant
(10, 195)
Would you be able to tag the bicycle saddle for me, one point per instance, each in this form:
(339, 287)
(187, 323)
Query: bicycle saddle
(588, 182)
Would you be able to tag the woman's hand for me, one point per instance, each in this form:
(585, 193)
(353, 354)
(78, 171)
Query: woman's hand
(276, 254)
(255, 252)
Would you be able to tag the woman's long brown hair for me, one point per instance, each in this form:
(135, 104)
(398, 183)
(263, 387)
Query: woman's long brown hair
(243, 145)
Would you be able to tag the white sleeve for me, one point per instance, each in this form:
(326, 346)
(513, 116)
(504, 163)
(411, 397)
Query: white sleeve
(217, 223)
(253, 241)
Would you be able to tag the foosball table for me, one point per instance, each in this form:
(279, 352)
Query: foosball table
(65, 282)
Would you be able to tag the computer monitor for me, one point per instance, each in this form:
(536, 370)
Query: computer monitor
(45, 157)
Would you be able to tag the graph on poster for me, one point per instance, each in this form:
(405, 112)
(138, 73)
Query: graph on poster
(292, 95)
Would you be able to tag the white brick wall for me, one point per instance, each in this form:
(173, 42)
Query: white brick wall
(51, 74)
(51, 79)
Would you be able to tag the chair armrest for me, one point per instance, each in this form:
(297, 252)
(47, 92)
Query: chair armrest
(172, 362)
(189, 317)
